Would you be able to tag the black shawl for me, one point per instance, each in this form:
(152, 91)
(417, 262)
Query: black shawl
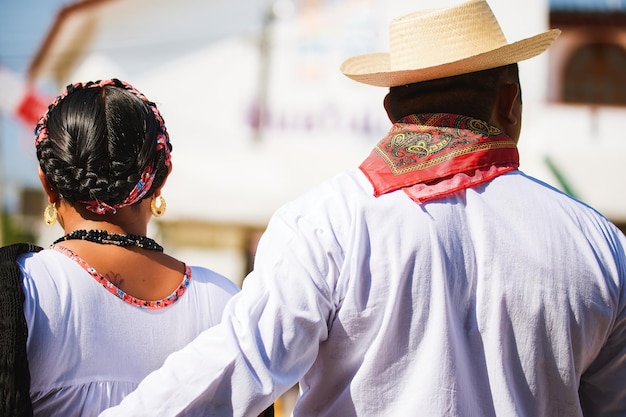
(14, 373)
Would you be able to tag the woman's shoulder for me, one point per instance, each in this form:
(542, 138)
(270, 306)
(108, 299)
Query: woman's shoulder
(45, 259)
(208, 277)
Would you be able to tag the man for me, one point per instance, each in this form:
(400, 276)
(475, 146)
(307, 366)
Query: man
(437, 279)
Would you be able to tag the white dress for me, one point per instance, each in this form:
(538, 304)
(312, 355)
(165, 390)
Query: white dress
(88, 348)
(507, 299)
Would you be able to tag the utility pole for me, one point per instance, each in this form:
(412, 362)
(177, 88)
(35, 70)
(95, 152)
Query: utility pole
(260, 111)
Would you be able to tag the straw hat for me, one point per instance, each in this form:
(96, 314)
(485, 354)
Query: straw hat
(441, 43)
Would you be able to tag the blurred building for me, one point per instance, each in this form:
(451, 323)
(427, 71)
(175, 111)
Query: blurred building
(586, 99)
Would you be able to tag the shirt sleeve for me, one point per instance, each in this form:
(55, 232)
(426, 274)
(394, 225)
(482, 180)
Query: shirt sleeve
(268, 338)
(601, 389)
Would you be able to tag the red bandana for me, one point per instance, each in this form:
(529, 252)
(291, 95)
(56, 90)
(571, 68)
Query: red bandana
(433, 155)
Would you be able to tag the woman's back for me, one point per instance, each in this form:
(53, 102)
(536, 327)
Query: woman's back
(90, 345)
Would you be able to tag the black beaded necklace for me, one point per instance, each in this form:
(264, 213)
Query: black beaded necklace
(106, 238)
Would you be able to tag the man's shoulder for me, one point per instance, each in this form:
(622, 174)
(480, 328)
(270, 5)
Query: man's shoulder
(548, 198)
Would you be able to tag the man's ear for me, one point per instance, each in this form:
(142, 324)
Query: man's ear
(507, 111)
(509, 103)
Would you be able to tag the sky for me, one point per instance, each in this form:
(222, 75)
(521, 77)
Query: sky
(589, 4)
(23, 27)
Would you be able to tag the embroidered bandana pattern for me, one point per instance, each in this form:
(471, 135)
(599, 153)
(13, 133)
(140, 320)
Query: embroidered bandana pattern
(431, 155)
(149, 172)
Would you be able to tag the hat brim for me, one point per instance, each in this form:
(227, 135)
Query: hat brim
(375, 69)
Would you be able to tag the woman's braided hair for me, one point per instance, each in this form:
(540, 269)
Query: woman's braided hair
(103, 144)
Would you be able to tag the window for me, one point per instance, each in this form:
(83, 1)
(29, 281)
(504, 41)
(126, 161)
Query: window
(596, 74)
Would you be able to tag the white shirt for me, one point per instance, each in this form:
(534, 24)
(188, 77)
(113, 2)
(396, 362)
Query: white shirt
(502, 300)
(88, 348)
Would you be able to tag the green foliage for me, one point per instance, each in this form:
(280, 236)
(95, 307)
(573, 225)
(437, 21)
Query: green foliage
(12, 232)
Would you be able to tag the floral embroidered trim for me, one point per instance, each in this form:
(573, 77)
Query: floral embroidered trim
(150, 305)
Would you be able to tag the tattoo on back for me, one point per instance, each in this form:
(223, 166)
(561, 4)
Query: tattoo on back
(115, 278)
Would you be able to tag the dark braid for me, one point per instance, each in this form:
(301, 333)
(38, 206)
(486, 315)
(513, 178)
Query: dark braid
(98, 142)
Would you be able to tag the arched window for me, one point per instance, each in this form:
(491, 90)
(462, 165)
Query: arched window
(596, 74)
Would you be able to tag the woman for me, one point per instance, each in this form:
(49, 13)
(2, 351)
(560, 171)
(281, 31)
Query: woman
(104, 305)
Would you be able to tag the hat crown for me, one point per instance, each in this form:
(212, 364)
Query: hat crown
(462, 31)
(440, 43)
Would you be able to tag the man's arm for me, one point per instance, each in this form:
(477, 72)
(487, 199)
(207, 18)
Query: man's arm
(268, 339)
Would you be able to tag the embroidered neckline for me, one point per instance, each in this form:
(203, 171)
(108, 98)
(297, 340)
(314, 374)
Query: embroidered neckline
(127, 298)
(425, 153)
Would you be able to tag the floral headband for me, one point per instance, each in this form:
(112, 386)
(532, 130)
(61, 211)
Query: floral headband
(149, 172)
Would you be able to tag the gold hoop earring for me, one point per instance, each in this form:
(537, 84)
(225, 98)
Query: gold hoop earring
(50, 214)
(158, 211)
